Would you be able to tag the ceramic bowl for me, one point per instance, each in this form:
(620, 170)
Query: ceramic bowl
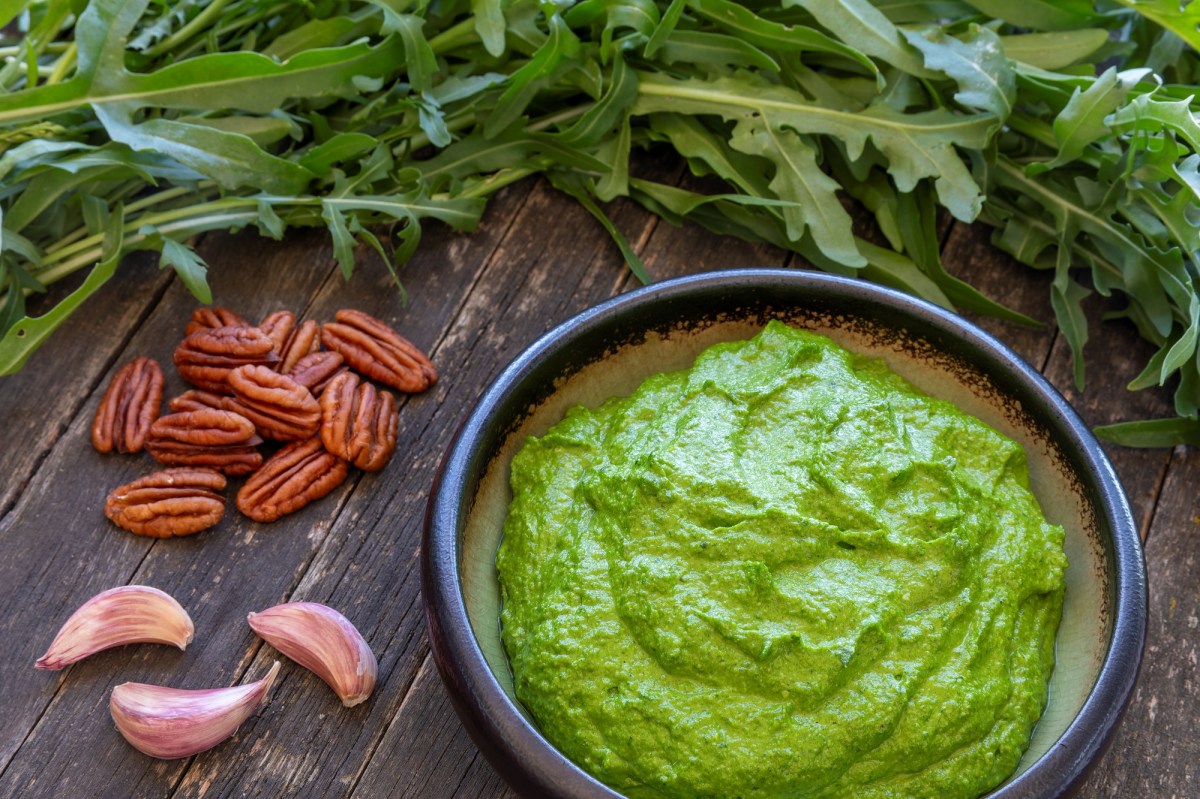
(610, 349)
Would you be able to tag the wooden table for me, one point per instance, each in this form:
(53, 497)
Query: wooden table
(474, 302)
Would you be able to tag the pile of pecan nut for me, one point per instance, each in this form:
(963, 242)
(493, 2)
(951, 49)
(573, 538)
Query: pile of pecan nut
(271, 382)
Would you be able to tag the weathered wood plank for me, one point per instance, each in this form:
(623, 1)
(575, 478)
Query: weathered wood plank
(1115, 354)
(426, 753)
(61, 551)
(969, 256)
(1156, 752)
(38, 402)
(219, 575)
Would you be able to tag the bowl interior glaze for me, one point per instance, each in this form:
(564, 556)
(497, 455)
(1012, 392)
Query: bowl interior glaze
(611, 350)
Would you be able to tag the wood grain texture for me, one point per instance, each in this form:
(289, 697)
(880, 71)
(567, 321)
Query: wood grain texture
(969, 256)
(475, 302)
(41, 399)
(1156, 752)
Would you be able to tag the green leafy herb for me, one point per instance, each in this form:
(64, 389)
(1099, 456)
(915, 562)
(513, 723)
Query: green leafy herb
(126, 125)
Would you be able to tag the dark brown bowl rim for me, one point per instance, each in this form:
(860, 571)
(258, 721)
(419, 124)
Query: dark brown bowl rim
(514, 746)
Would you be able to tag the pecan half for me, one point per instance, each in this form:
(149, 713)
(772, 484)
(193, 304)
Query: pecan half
(278, 326)
(194, 399)
(280, 408)
(221, 440)
(130, 405)
(378, 351)
(358, 422)
(168, 503)
(206, 318)
(296, 475)
(304, 340)
(206, 357)
(315, 370)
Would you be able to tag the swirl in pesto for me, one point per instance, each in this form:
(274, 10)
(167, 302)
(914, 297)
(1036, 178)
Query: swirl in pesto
(784, 572)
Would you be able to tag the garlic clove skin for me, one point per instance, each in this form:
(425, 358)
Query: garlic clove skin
(171, 723)
(323, 641)
(127, 614)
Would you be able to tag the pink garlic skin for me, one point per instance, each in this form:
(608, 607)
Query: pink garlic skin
(127, 614)
(323, 641)
(171, 723)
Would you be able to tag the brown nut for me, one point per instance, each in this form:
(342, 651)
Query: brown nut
(220, 440)
(296, 475)
(168, 503)
(379, 352)
(130, 405)
(278, 326)
(302, 341)
(315, 370)
(358, 422)
(206, 318)
(206, 357)
(280, 408)
(194, 399)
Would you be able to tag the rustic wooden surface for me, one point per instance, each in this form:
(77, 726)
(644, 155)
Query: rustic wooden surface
(475, 302)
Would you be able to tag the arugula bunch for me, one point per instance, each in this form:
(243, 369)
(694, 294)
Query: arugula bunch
(1069, 126)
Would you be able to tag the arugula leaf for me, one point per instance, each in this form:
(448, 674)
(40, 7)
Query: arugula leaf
(916, 146)
(1069, 127)
(1151, 432)
(1083, 120)
(553, 58)
(1181, 17)
(1047, 15)
(738, 20)
(489, 25)
(1054, 50)
(976, 62)
(859, 21)
(21, 339)
(186, 262)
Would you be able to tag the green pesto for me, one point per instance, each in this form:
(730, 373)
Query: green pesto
(784, 572)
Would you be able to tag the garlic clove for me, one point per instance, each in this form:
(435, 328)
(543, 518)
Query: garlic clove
(127, 614)
(323, 641)
(171, 723)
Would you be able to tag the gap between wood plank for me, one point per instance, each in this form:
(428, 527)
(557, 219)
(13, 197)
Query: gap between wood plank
(466, 772)
(408, 693)
(1148, 522)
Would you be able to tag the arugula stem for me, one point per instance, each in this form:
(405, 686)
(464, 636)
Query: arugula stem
(188, 221)
(64, 64)
(198, 23)
(720, 102)
(35, 43)
(1048, 200)
(416, 140)
(566, 115)
(1033, 128)
(53, 48)
(494, 182)
(204, 188)
(455, 36)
